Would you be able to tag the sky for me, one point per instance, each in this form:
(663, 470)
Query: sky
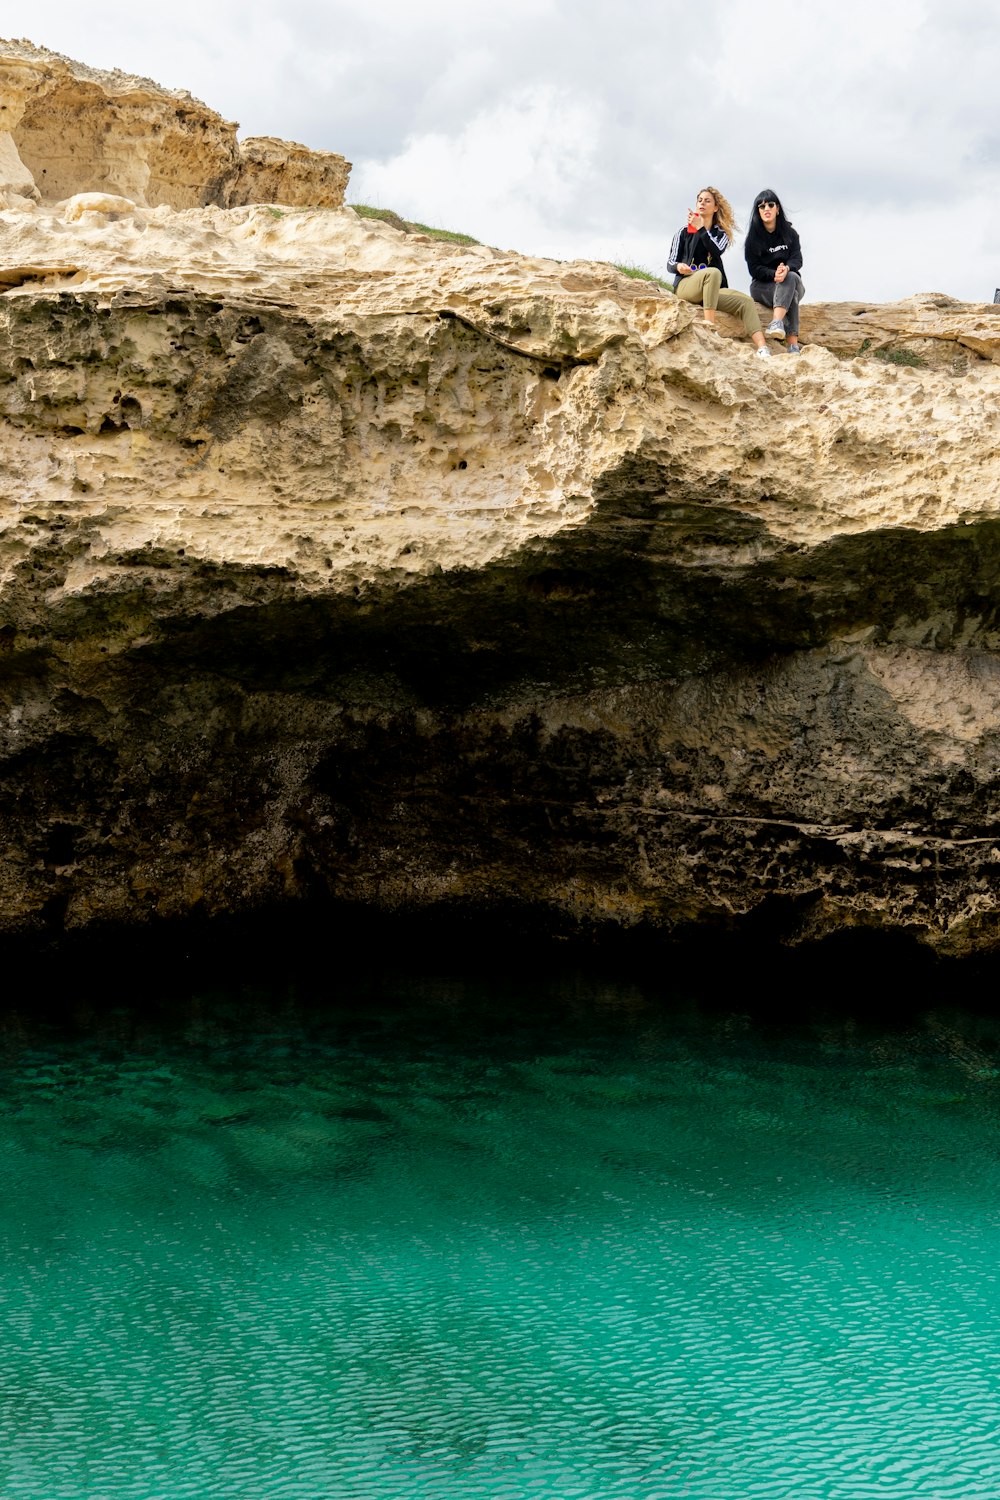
(584, 128)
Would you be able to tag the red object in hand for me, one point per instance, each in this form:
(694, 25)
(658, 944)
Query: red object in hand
(692, 224)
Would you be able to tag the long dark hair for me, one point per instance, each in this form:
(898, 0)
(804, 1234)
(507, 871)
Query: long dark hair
(757, 235)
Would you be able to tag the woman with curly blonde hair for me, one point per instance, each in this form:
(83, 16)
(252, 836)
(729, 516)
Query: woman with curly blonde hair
(725, 214)
(696, 261)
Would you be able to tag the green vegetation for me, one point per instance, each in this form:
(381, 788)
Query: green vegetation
(276, 213)
(453, 237)
(893, 356)
(409, 226)
(639, 273)
(900, 357)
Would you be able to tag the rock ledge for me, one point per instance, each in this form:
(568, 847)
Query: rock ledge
(339, 563)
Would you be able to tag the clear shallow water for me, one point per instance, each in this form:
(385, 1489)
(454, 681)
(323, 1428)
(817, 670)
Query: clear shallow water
(611, 1251)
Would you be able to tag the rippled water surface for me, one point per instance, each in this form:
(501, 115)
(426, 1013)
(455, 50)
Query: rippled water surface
(585, 1245)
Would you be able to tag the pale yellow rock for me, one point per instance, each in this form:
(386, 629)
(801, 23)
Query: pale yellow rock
(11, 202)
(334, 558)
(66, 129)
(75, 208)
(929, 329)
(637, 371)
(15, 179)
(275, 171)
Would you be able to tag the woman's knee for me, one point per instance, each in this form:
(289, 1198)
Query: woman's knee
(711, 286)
(692, 287)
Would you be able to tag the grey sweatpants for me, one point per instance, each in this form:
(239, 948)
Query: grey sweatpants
(787, 294)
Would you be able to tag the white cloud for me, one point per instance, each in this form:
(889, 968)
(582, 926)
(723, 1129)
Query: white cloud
(520, 172)
(582, 127)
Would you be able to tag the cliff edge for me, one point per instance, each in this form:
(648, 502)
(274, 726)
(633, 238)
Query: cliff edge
(340, 562)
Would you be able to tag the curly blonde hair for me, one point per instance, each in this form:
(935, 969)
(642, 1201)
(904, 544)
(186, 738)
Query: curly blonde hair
(724, 215)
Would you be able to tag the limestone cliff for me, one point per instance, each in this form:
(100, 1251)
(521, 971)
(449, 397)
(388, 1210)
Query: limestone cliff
(338, 561)
(66, 128)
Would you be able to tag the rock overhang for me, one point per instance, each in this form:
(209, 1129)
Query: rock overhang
(335, 561)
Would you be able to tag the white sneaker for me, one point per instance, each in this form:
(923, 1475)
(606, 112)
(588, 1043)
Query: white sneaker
(763, 352)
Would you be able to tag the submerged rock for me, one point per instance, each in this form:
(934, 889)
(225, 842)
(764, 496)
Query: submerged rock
(338, 561)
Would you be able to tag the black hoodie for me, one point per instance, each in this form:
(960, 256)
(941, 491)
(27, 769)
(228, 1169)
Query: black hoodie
(768, 251)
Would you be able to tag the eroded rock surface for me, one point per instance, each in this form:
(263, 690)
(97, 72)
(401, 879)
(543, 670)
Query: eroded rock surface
(66, 128)
(931, 330)
(339, 561)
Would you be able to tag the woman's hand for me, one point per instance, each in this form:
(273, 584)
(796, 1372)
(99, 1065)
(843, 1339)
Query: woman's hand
(695, 221)
(781, 272)
(685, 270)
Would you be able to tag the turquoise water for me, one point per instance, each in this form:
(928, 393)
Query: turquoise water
(588, 1245)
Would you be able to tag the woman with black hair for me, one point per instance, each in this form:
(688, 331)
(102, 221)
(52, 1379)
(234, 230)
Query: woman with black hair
(774, 260)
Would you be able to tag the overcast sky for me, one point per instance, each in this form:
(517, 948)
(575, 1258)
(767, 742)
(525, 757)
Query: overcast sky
(585, 127)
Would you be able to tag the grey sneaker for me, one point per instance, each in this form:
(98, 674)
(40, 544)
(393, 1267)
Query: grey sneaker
(775, 329)
(794, 349)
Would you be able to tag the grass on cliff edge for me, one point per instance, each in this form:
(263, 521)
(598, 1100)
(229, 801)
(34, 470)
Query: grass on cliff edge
(639, 273)
(411, 226)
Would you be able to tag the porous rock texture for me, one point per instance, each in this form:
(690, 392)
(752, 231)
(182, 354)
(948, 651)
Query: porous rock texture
(66, 128)
(339, 562)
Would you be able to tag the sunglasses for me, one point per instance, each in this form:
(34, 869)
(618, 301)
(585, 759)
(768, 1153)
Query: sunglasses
(767, 203)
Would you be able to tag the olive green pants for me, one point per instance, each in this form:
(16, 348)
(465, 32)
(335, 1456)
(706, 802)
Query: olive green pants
(706, 287)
